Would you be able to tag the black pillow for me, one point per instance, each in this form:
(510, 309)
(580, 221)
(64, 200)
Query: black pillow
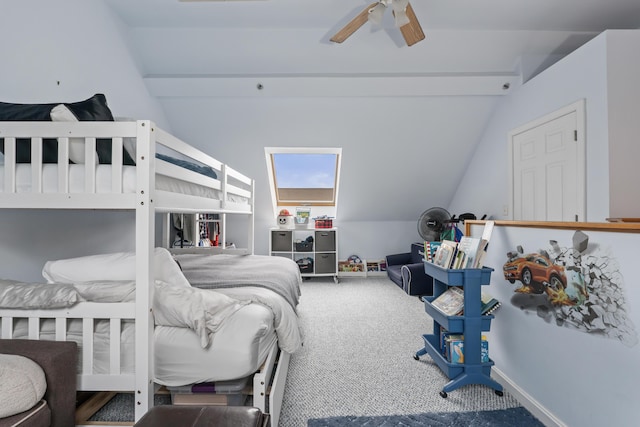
(92, 109)
(29, 112)
(201, 169)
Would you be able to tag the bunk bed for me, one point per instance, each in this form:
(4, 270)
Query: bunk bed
(127, 165)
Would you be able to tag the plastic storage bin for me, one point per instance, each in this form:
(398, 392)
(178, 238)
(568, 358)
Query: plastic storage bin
(324, 223)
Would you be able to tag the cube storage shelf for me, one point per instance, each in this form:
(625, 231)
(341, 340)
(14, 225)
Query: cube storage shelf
(472, 323)
(315, 258)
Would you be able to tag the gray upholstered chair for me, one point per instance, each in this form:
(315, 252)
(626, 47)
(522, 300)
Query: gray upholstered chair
(58, 360)
(407, 271)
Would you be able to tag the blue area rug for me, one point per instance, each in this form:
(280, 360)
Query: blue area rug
(515, 417)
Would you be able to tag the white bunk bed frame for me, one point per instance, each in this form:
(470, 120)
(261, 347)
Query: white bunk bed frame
(268, 383)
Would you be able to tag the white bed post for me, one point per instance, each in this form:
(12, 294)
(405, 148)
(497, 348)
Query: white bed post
(145, 233)
(223, 206)
(252, 218)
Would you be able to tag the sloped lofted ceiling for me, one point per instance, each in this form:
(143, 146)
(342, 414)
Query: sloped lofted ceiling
(292, 36)
(475, 52)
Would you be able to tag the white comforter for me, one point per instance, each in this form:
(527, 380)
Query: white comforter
(284, 317)
(202, 311)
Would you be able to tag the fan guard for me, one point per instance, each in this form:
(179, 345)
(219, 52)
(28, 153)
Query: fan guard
(432, 223)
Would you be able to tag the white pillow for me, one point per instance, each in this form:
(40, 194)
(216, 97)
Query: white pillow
(129, 144)
(14, 294)
(23, 384)
(115, 266)
(107, 290)
(60, 113)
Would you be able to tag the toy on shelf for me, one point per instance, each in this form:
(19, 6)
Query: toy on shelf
(285, 219)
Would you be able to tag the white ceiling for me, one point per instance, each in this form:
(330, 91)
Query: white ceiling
(564, 15)
(291, 37)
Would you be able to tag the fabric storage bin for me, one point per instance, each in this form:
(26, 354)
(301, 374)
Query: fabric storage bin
(325, 263)
(325, 241)
(304, 246)
(281, 240)
(305, 264)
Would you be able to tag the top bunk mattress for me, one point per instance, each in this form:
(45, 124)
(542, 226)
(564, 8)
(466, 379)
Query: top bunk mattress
(103, 182)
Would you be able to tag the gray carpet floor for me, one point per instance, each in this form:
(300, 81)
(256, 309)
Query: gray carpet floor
(360, 336)
(357, 368)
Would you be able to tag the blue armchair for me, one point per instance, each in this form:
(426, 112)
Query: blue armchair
(407, 271)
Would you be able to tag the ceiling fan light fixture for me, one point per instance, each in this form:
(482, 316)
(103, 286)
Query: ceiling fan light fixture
(400, 12)
(401, 19)
(404, 15)
(376, 13)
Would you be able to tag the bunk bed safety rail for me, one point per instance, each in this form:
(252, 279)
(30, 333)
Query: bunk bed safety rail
(228, 180)
(82, 136)
(140, 139)
(89, 314)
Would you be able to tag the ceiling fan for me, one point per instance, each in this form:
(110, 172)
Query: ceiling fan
(403, 13)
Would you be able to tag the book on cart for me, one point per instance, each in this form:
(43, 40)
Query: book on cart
(450, 302)
(489, 304)
(430, 248)
(445, 255)
(454, 349)
(469, 247)
(484, 243)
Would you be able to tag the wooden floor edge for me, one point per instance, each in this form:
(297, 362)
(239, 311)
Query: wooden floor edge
(91, 406)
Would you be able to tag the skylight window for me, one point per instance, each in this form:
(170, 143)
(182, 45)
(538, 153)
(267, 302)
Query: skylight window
(303, 176)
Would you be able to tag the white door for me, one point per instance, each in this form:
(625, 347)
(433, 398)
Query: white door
(547, 164)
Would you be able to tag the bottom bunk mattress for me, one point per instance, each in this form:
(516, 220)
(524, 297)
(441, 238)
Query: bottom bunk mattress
(237, 350)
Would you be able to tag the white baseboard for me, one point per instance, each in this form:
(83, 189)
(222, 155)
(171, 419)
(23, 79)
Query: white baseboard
(532, 405)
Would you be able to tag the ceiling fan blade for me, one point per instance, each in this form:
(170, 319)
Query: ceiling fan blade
(353, 25)
(412, 32)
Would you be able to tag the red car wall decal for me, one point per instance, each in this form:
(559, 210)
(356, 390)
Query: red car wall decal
(578, 286)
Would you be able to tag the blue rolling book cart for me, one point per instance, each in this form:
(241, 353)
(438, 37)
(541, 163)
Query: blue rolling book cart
(471, 324)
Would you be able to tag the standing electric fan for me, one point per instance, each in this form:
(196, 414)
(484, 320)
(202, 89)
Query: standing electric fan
(436, 224)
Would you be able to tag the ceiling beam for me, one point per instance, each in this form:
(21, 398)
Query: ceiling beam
(357, 85)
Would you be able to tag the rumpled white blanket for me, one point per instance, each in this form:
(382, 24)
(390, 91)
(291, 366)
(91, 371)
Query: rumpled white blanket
(285, 320)
(193, 308)
(203, 311)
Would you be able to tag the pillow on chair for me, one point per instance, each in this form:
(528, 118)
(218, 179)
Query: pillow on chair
(23, 384)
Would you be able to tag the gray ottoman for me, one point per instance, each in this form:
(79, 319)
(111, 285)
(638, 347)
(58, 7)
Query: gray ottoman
(203, 416)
